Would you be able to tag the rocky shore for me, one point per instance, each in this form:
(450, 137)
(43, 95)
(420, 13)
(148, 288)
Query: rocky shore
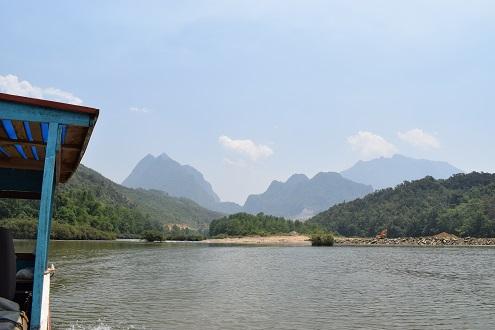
(442, 239)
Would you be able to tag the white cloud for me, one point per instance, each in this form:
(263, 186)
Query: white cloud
(13, 85)
(246, 147)
(140, 110)
(419, 138)
(370, 145)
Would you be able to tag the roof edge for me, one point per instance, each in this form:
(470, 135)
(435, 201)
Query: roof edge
(49, 104)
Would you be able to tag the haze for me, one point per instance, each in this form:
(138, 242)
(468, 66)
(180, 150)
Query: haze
(252, 91)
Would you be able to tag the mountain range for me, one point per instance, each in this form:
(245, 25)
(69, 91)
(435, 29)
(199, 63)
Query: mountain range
(389, 172)
(299, 197)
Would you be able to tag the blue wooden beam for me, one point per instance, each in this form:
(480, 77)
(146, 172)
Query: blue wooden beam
(44, 222)
(24, 112)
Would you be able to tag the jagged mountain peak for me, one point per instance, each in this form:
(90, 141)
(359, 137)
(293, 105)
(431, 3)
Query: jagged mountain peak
(297, 178)
(180, 180)
(301, 197)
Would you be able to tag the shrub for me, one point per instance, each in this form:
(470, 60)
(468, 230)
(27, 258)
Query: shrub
(152, 235)
(322, 239)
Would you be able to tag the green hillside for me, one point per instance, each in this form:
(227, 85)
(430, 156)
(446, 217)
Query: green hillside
(156, 205)
(463, 205)
(90, 206)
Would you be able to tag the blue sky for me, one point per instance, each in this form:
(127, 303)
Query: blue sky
(251, 91)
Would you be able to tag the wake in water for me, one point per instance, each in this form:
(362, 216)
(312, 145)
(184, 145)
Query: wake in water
(92, 325)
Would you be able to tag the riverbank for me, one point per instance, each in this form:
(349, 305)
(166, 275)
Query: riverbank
(442, 239)
(289, 240)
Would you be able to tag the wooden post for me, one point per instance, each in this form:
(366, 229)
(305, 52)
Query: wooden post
(44, 221)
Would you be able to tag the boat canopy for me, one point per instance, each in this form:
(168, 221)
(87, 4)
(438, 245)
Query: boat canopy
(41, 144)
(24, 130)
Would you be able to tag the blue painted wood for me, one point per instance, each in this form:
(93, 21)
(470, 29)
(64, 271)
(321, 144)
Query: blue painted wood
(57, 150)
(44, 222)
(20, 180)
(24, 112)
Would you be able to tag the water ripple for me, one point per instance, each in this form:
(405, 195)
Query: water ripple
(138, 286)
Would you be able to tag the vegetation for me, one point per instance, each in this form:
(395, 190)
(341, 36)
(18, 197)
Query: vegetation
(463, 205)
(90, 206)
(322, 239)
(156, 205)
(26, 229)
(182, 234)
(153, 235)
(243, 224)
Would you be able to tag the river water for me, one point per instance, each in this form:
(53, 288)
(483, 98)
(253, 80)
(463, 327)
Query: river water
(129, 285)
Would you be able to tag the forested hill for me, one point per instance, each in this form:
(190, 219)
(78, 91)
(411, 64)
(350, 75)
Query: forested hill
(463, 205)
(157, 205)
(90, 206)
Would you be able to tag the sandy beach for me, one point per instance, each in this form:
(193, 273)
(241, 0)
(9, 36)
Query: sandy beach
(296, 240)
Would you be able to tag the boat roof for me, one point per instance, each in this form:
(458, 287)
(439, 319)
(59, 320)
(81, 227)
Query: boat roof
(24, 123)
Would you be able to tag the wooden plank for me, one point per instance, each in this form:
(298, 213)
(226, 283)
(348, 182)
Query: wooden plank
(12, 151)
(70, 156)
(44, 223)
(34, 151)
(75, 135)
(36, 132)
(3, 134)
(28, 164)
(58, 151)
(19, 130)
(45, 300)
(4, 141)
(36, 135)
(26, 112)
(29, 154)
(19, 163)
(48, 104)
(41, 152)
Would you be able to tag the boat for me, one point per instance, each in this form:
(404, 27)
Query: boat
(41, 145)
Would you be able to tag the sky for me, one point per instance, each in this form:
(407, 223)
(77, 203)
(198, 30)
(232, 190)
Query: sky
(252, 91)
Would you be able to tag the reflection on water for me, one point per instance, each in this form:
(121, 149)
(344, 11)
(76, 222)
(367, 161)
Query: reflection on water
(122, 285)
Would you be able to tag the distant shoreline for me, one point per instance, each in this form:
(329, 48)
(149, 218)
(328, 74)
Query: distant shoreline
(278, 240)
(304, 240)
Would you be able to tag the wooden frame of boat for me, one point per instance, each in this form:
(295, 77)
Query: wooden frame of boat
(41, 144)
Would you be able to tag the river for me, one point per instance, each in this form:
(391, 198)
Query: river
(129, 285)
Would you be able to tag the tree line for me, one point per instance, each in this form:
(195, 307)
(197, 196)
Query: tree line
(83, 209)
(463, 205)
(244, 224)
